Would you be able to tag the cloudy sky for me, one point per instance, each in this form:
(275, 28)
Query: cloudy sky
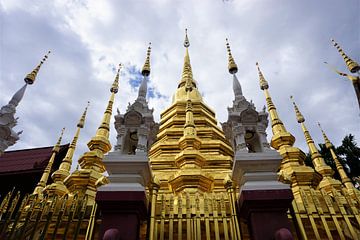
(290, 39)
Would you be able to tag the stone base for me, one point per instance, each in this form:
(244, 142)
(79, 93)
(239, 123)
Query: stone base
(265, 212)
(121, 213)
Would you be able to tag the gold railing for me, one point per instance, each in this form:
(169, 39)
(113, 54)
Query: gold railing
(321, 216)
(32, 217)
(194, 216)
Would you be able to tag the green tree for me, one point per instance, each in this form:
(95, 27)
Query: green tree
(326, 154)
(349, 152)
(349, 156)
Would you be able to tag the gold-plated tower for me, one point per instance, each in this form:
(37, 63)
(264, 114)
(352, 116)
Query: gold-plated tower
(58, 187)
(187, 79)
(31, 77)
(45, 176)
(280, 135)
(146, 68)
(101, 139)
(327, 183)
(351, 64)
(292, 168)
(231, 62)
(344, 178)
(194, 162)
(187, 75)
(89, 177)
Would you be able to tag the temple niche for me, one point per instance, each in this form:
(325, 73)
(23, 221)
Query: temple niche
(245, 128)
(136, 129)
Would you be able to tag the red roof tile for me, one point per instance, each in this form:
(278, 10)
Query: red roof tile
(26, 159)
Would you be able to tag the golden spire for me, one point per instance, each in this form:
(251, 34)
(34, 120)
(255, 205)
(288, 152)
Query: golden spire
(64, 169)
(187, 76)
(101, 139)
(351, 64)
(231, 63)
(45, 176)
(85, 180)
(145, 72)
(277, 125)
(344, 178)
(318, 161)
(104, 128)
(30, 78)
(299, 117)
(146, 68)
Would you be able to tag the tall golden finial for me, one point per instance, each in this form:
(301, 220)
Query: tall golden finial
(299, 117)
(101, 139)
(263, 83)
(45, 176)
(316, 157)
(146, 68)
(60, 174)
(82, 119)
(86, 180)
(328, 144)
(187, 76)
(65, 166)
(344, 178)
(351, 64)
(277, 125)
(231, 63)
(30, 78)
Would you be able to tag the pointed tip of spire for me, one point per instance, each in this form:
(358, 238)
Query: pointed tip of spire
(31, 77)
(146, 68)
(232, 67)
(263, 83)
(115, 86)
(328, 144)
(186, 41)
(57, 145)
(82, 119)
(351, 64)
(299, 117)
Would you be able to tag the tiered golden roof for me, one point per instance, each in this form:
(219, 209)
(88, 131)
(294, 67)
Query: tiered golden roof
(192, 193)
(191, 150)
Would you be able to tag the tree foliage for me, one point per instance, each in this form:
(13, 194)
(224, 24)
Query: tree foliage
(348, 154)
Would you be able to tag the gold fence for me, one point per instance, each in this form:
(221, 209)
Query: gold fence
(207, 216)
(31, 217)
(321, 216)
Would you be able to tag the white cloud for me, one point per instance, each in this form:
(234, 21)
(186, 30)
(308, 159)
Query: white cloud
(88, 38)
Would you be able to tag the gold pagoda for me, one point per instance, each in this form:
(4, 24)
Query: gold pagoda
(188, 176)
